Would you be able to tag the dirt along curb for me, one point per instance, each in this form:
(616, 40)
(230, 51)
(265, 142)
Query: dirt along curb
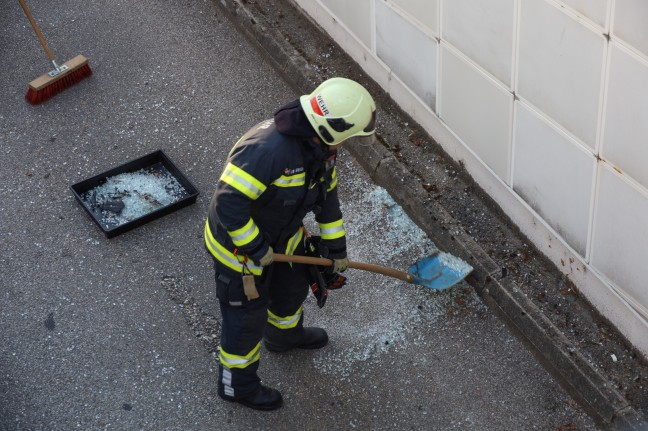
(529, 324)
(558, 354)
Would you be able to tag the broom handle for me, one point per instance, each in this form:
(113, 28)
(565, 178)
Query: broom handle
(37, 31)
(356, 265)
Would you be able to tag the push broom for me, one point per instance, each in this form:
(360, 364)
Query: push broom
(50, 84)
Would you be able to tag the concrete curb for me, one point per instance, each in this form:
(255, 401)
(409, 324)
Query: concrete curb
(540, 335)
(590, 388)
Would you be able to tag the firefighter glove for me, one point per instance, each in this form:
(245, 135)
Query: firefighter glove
(333, 280)
(339, 265)
(267, 258)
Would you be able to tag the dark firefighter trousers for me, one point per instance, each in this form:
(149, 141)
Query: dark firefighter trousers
(282, 290)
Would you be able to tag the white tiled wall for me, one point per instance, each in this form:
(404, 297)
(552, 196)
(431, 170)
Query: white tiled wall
(554, 175)
(356, 15)
(408, 52)
(594, 10)
(625, 137)
(477, 108)
(621, 235)
(483, 31)
(559, 67)
(630, 23)
(424, 13)
(546, 103)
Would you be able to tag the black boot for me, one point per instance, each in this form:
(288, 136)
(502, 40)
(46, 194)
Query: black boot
(264, 398)
(278, 340)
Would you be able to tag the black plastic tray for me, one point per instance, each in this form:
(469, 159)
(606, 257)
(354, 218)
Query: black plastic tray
(156, 161)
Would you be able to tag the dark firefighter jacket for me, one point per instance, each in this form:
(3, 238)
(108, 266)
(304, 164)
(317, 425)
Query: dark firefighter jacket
(271, 180)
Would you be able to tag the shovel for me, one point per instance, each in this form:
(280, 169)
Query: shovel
(438, 271)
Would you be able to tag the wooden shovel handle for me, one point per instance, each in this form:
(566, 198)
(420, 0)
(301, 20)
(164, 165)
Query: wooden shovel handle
(308, 260)
(36, 30)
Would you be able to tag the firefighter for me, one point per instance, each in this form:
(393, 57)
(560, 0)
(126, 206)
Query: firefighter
(278, 172)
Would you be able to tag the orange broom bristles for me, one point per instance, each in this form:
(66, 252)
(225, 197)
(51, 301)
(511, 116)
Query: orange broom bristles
(52, 83)
(46, 87)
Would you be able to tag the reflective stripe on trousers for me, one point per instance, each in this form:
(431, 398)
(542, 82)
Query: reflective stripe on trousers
(236, 361)
(285, 322)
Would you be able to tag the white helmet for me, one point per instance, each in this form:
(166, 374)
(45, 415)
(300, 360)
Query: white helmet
(339, 109)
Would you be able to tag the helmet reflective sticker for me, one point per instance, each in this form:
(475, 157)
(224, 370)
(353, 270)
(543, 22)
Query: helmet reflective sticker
(317, 108)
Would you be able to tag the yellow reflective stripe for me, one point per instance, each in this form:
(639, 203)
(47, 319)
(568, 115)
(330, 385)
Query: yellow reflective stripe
(242, 181)
(226, 257)
(244, 235)
(332, 230)
(293, 242)
(334, 180)
(286, 322)
(291, 180)
(236, 361)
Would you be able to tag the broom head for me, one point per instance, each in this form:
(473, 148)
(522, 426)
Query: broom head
(45, 86)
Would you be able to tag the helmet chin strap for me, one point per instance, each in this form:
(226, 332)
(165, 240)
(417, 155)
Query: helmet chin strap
(327, 149)
(317, 141)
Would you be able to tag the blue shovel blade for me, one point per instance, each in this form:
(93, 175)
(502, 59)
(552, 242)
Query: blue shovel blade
(439, 271)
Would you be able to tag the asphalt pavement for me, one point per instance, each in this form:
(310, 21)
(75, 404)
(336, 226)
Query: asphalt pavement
(122, 333)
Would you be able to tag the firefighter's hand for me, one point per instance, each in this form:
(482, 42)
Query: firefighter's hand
(339, 265)
(267, 258)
